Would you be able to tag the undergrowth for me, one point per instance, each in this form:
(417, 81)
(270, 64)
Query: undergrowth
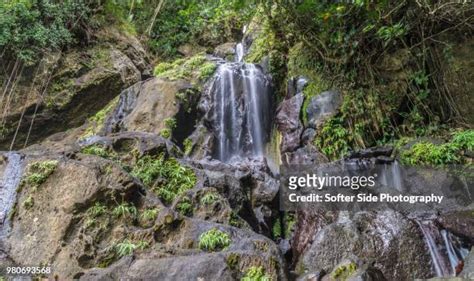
(451, 152)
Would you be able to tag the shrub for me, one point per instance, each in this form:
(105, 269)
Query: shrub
(214, 240)
(206, 70)
(255, 273)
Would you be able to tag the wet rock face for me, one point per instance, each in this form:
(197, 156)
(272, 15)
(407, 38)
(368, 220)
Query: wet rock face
(225, 51)
(323, 107)
(306, 155)
(468, 270)
(288, 122)
(387, 238)
(460, 223)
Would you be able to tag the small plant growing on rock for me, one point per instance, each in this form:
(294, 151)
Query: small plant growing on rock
(39, 172)
(188, 146)
(125, 210)
(235, 220)
(142, 245)
(185, 207)
(344, 271)
(96, 210)
(214, 240)
(149, 214)
(168, 178)
(28, 203)
(97, 150)
(233, 260)
(209, 198)
(166, 133)
(255, 273)
(125, 248)
(170, 123)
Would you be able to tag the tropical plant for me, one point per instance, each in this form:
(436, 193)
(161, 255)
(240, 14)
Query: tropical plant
(214, 240)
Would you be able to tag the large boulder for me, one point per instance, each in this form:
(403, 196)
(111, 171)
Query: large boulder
(225, 51)
(460, 223)
(51, 223)
(323, 107)
(391, 242)
(288, 122)
(155, 103)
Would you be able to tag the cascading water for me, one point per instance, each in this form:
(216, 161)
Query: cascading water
(445, 254)
(8, 185)
(241, 109)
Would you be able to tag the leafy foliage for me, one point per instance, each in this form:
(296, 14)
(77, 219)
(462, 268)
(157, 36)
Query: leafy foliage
(214, 240)
(38, 172)
(255, 273)
(196, 67)
(125, 248)
(97, 150)
(97, 210)
(29, 27)
(125, 210)
(344, 271)
(185, 207)
(165, 176)
(426, 153)
(149, 214)
(209, 198)
(205, 22)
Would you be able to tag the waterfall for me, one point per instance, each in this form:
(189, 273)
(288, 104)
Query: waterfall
(445, 255)
(391, 176)
(8, 185)
(241, 109)
(126, 104)
(239, 52)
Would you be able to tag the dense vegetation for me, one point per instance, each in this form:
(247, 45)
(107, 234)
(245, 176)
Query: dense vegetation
(387, 57)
